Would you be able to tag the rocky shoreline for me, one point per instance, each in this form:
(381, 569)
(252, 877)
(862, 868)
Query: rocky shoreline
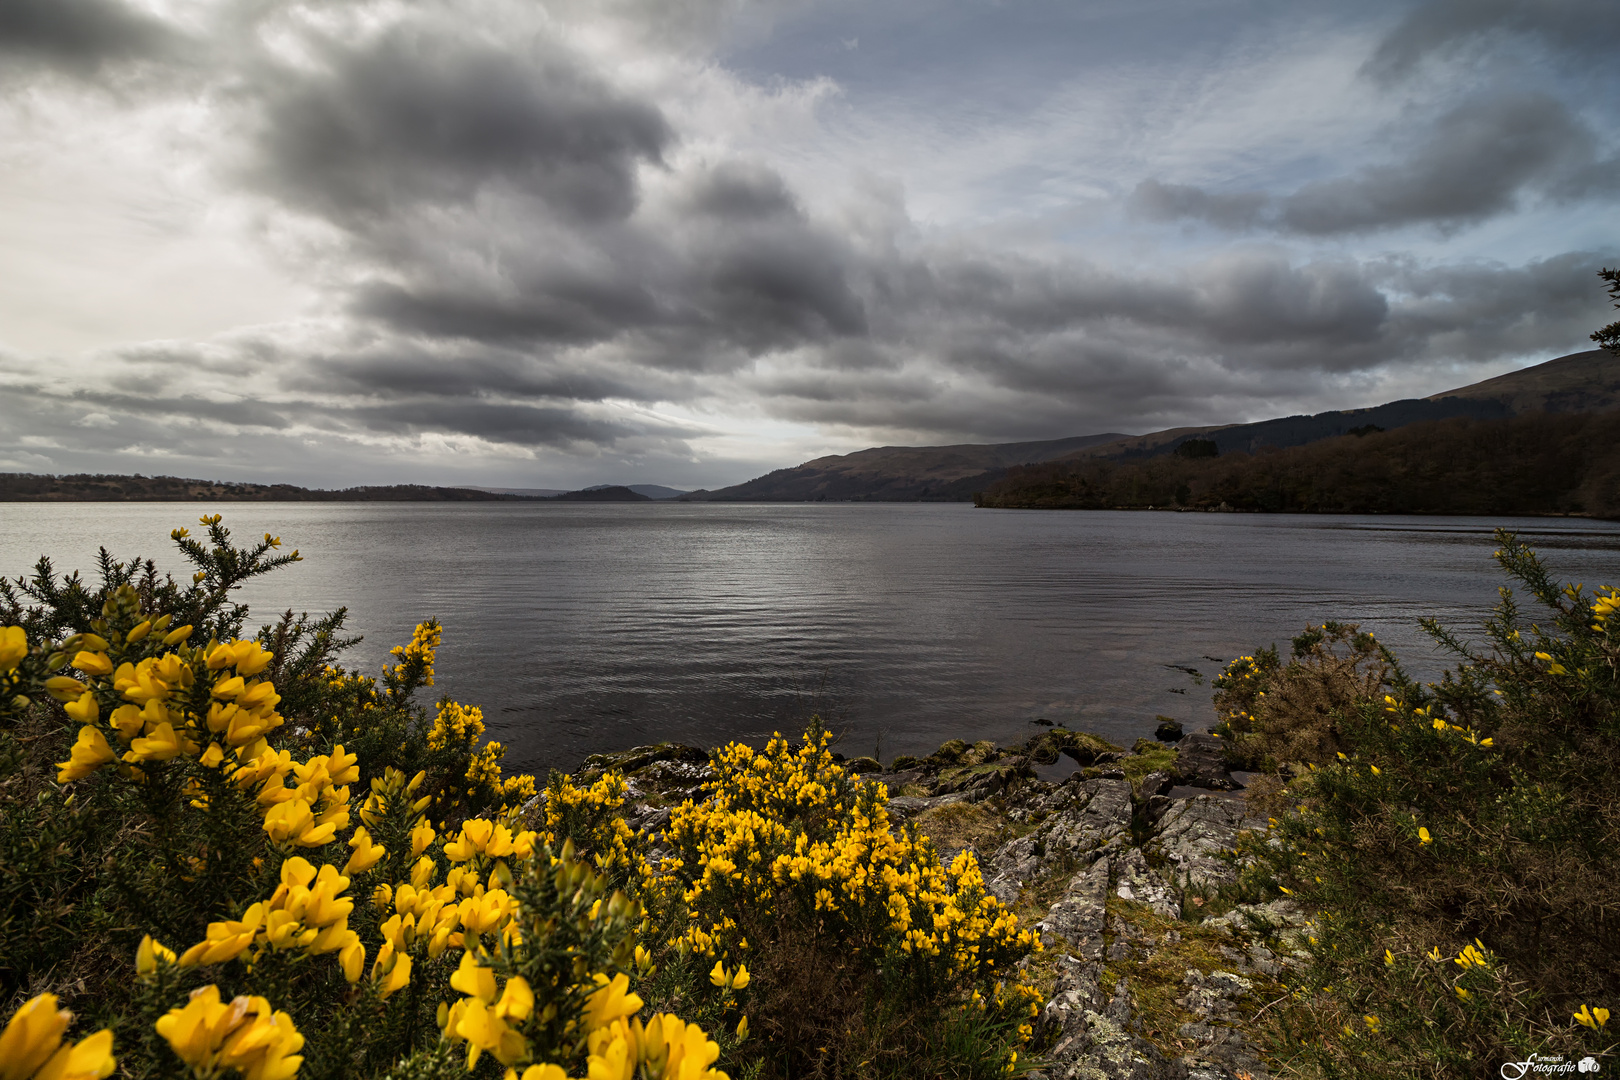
(1118, 857)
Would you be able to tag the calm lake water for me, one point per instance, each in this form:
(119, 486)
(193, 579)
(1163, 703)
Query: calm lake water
(580, 628)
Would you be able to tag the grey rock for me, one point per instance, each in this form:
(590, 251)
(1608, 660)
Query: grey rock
(1140, 882)
(1200, 764)
(1090, 818)
(906, 807)
(1156, 783)
(1077, 919)
(1194, 832)
(1156, 807)
(1098, 1045)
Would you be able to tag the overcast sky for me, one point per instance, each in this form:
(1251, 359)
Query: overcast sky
(688, 241)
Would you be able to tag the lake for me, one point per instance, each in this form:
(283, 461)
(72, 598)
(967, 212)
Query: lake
(580, 627)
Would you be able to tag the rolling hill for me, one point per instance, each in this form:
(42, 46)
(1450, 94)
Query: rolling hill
(1580, 382)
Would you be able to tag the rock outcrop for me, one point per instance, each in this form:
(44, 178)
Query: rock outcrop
(1116, 866)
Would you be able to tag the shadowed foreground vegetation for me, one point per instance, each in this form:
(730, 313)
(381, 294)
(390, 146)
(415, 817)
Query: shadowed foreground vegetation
(1538, 464)
(222, 854)
(234, 857)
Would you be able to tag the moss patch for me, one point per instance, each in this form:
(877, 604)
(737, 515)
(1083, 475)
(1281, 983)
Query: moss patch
(1157, 758)
(957, 825)
(1158, 967)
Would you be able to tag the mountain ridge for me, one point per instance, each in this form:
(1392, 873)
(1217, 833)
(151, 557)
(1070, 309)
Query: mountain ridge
(1587, 381)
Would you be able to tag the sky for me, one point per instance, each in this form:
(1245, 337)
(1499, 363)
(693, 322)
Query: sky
(552, 243)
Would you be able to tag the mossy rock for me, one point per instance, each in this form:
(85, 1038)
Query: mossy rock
(863, 765)
(980, 752)
(950, 752)
(904, 762)
(1084, 747)
(639, 757)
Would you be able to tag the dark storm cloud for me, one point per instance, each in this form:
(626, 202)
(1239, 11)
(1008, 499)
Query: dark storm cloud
(557, 312)
(741, 191)
(417, 115)
(1158, 201)
(80, 34)
(1585, 28)
(1482, 311)
(1476, 162)
(517, 424)
(403, 371)
(1473, 165)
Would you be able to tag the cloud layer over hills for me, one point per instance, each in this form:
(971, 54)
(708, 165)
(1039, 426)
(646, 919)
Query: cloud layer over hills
(536, 243)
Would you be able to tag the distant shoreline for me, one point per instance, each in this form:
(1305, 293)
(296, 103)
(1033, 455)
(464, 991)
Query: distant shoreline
(102, 487)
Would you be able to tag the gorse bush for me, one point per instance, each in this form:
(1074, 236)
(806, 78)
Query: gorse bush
(232, 856)
(183, 861)
(1276, 714)
(872, 958)
(1458, 842)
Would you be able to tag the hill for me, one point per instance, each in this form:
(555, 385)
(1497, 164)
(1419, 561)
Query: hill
(1540, 463)
(1579, 383)
(611, 493)
(898, 473)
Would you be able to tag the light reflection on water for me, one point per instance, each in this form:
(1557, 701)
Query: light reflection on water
(580, 628)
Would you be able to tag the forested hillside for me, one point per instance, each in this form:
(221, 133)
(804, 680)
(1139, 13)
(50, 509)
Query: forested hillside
(1537, 464)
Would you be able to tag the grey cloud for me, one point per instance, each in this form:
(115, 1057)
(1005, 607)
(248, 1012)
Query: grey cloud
(1585, 28)
(417, 115)
(400, 371)
(741, 191)
(517, 424)
(80, 34)
(774, 288)
(1473, 165)
(504, 273)
(560, 312)
(1264, 299)
(1482, 311)
(1476, 162)
(1158, 201)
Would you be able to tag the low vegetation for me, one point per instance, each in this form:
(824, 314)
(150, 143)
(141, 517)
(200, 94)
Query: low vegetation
(1457, 841)
(228, 855)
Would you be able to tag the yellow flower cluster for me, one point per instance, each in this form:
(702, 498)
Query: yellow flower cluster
(458, 724)
(488, 1020)
(13, 647)
(455, 723)
(1475, 956)
(31, 1046)
(785, 833)
(588, 815)
(306, 912)
(1604, 608)
(484, 769)
(422, 649)
(149, 701)
(387, 789)
(243, 1034)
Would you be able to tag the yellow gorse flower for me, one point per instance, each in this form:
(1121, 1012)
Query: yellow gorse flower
(13, 648)
(1596, 1019)
(243, 1034)
(31, 1046)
